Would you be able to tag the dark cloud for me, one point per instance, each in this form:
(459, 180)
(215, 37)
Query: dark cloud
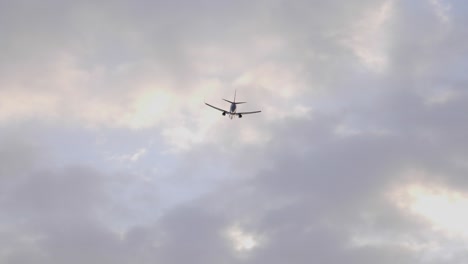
(17, 156)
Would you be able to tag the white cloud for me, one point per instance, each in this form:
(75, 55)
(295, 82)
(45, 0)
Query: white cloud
(442, 10)
(280, 81)
(253, 135)
(134, 157)
(369, 39)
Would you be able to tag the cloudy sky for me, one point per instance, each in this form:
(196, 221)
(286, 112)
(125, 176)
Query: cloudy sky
(109, 155)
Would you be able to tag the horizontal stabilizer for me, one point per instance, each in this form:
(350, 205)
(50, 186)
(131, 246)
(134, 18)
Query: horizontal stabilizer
(234, 102)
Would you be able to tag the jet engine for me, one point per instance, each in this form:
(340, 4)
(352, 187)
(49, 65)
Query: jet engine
(224, 113)
(240, 116)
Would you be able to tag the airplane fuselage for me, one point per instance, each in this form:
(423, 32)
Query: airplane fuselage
(233, 110)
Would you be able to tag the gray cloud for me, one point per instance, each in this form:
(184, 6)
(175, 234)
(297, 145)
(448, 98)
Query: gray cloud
(315, 190)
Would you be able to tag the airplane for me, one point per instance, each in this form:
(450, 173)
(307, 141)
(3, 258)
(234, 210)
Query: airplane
(232, 112)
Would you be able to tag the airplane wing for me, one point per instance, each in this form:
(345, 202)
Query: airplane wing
(222, 110)
(246, 113)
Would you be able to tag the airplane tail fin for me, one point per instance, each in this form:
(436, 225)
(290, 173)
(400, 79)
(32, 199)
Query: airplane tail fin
(234, 99)
(235, 92)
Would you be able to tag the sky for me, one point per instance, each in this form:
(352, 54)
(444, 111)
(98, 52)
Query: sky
(108, 153)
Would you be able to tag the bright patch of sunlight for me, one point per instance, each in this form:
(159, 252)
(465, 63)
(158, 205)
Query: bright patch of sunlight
(149, 108)
(445, 209)
(241, 240)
